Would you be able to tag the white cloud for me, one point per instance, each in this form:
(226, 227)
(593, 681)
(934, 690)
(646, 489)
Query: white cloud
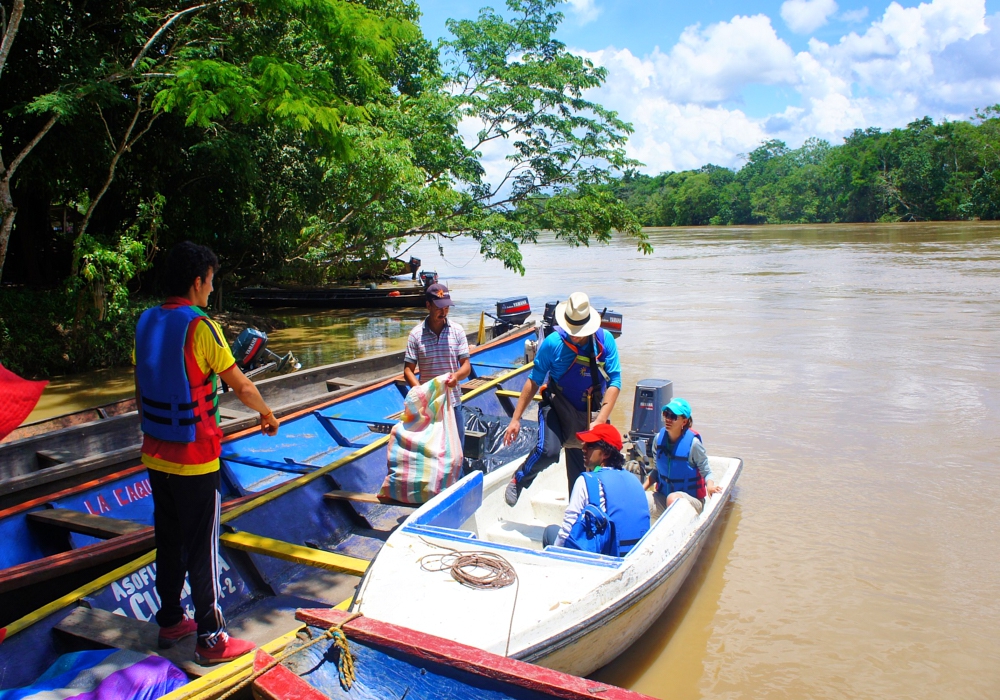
(585, 11)
(854, 16)
(806, 16)
(937, 58)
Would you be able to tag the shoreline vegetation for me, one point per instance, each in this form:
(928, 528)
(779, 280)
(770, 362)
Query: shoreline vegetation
(924, 172)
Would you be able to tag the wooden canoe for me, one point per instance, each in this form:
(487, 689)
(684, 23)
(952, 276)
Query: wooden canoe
(392, 662)
(571, 611)
(46, 550)
(302, 536)
(52, 461)
(334, 298)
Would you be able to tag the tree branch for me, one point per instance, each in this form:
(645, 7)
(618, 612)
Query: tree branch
(166, 25)
(10, 31)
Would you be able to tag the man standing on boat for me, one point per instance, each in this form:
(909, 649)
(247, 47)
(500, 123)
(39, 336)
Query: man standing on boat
(580, 360)
(438, 346)
(179, 354)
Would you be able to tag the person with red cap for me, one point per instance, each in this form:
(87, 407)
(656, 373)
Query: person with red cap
(622, 497)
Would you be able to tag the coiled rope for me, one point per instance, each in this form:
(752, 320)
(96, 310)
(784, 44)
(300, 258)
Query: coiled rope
(463, 567)
(345, 664)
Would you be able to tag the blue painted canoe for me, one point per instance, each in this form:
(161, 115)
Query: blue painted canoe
(54, 544)
(391, 662)
(303, 530)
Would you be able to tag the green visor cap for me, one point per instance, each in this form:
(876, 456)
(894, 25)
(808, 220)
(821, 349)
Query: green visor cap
(679, 407)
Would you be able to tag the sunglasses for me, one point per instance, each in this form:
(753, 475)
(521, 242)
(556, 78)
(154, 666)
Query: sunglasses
(670, 415)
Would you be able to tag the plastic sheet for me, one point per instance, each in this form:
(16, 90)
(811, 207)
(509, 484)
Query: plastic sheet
(497, 454)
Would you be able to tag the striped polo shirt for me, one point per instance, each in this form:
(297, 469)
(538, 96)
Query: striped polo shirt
(435, 355)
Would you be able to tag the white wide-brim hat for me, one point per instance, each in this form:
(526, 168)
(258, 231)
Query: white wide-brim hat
(576, 316)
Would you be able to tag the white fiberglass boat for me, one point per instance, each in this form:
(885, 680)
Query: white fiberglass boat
(569, 610)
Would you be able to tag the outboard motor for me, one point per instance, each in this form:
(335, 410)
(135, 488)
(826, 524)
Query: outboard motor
(253, 357)
(414, 266)
(511, 312)
(611, 321)
(428, 277)
(549, 317)
(650, 396)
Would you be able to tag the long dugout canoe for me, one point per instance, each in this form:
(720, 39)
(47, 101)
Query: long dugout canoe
(51, 461)
(54, 543)
(305, 542)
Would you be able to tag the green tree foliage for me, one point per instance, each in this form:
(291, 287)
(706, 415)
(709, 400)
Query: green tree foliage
(927, 171)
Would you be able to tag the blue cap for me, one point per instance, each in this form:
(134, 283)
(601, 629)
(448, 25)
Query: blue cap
(679, 407)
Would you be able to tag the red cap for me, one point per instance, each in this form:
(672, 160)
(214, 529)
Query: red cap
(603, 431)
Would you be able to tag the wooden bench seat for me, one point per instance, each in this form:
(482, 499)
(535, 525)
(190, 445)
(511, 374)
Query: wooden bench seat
(365, 498)
(86, 524)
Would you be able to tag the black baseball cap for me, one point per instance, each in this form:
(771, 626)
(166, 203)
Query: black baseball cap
(438, 294)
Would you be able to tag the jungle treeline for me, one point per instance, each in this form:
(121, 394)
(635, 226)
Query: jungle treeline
(303, 140)
(924, 172)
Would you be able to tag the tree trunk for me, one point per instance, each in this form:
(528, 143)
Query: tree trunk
(7, 209)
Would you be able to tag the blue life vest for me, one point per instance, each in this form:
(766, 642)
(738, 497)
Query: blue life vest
(171, 407)
(674, 472)
(627, 509)
(576, 382)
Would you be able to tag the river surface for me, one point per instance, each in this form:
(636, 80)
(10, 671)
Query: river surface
(856, 370)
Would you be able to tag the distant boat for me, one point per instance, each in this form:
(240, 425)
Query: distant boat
(334, 297)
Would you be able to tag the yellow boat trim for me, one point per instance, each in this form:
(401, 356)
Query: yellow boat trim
(73, 596)
(214, 684)
(287, 551)
(85, 590)
(516, 394)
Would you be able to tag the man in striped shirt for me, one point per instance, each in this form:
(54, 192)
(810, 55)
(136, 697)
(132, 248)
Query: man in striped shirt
(438, 346)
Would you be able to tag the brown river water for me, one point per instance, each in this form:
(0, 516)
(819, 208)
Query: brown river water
(856, 370)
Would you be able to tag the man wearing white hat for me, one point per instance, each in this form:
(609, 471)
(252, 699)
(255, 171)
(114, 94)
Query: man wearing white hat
(584, 376)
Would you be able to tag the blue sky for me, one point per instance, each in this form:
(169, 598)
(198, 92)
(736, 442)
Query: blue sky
(708, 81)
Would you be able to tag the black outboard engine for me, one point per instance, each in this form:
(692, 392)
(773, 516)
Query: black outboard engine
(549, 317)
(611, 321)
(428, 277)
(414, 266)
(511, 312)
(650, 396)
(253, 357)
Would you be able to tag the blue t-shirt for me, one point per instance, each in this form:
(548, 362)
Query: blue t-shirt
(554, 358)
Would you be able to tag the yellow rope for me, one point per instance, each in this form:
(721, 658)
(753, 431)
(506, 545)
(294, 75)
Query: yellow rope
(345, 665)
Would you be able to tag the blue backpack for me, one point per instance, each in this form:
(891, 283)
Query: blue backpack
(593, 531)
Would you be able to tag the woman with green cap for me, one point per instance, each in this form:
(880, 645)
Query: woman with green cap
(682, 468)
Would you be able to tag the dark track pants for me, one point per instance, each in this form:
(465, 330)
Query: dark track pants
(186, 512)
(546, 452)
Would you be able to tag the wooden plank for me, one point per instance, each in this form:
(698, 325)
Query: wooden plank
(358, 497)
(85, 523)
(295, 553)
(56, 565)
(427, 647)
(516, 395)
(280, 683)
(120, 632)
